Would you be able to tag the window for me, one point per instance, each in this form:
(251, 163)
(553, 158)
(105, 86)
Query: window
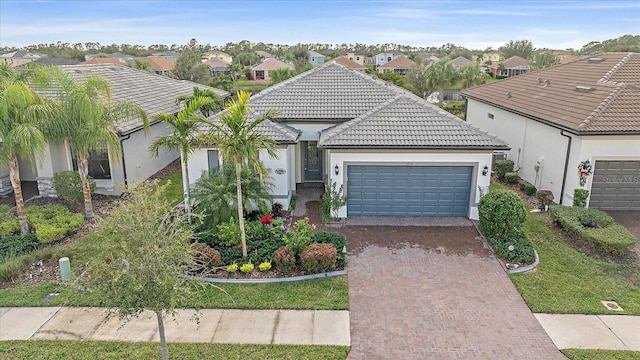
(389, 58)
(212, 157)
(490, 115)
(99, 167)
(259, 75)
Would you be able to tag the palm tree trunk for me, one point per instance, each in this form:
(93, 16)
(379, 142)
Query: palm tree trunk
(163, 339)
(83, 170)
(14, 175)
(187, 190)
(243, 235)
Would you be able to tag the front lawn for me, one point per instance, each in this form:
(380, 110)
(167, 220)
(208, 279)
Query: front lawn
(106, 350)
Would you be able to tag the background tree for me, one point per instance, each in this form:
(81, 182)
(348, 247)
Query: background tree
(472, 75)
(247, 58)
(185, 135)
(141, 65)
(234, 70)
(87, 120)
(441, 75)
(189, 67)
(301, 58)
(522, 48)
(222, 81)
(240, 141)
(417, 77)
(141, 262)
(210, 108)
(543, 60)
(280, 75)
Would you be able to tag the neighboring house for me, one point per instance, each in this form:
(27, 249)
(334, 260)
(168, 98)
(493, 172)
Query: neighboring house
(160, 66)
(315, 58)
(169, 55)
(561, 54)
(394, 153)
(348, 63)
(399, 65)
(428, 56)
(558, 118)
(154, 93)
(492, 57)
(217, 66)
(103, 60)
(513, 66)
(217, 54)
(122, 58)
(261, 71)
(359, 59)
(385, 57)
(20, 57)
(461, 61)
(264, 54)
(48, 61)
(370, 61)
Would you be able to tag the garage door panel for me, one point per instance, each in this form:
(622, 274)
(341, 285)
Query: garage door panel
(408, 190)
(615, 185)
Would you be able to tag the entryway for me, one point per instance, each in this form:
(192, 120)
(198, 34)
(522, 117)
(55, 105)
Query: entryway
(312, 162)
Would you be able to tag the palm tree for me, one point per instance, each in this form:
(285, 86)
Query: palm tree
(472, 75)
(209, 109)
(21, 111)
(440, 75)
(87, 121)
(185, 135)
(238, 139)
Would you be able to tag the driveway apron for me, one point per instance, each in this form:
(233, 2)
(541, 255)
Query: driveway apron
(435, 293)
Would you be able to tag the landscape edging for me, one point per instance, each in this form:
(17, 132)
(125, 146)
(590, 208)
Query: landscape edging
(269, 280)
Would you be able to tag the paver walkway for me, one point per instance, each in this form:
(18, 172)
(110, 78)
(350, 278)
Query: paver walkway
(435, 293)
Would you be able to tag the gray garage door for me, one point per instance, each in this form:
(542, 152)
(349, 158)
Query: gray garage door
(408, 190)
(616, 185)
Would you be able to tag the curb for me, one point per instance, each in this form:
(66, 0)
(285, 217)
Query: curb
(269, 280)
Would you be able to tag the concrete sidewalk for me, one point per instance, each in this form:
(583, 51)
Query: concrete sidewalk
(613, 332)
(303, 327)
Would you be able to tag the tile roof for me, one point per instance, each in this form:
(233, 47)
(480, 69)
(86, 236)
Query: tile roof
(401, 62)
(217, 64)
(315, 54)
(460, 61)
(55, 61)
(599, 94)
(408, 122)
(512, 63)
(154, 93)
(158, 63)
(349, 63)
(271, 64)
(279, 132)
(101, 60)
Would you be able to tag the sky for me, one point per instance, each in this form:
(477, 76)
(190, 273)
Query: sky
(473, 24)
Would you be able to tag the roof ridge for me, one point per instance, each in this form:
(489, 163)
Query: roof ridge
(602, 106)
(605, 79)
(279, 85)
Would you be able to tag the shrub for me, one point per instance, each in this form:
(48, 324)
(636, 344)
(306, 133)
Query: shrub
(612, 238)
(331, 201)
(527, 187)
(206, 256)
(512, 177)
(232, 268)
(68, 186)
(580, 197)
(501, 214)
(503, 167)
(300, 236)
(317, 258)
(518, 250)
(229, 233)
(277, 210)
(247, 268)
(545, 196)
(16, 245)
(9, 224)
(265, 266)
(53, 222)
(285, 260)
(337, 240)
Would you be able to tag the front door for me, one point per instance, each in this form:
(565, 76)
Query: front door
(312, 162)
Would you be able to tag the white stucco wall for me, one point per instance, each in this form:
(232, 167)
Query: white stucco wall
(477, 160)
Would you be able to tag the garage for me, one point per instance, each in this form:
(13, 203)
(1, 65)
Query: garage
(408, 190)
(616, 185)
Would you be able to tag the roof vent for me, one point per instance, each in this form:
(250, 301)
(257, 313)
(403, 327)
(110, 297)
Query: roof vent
(596, 60)
(584, 89)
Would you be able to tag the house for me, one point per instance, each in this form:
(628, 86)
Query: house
(460, 61)
(369, 61)
(513, 66)
(122, 58)
(264, 54)
(348, 63)
(352, 56)
(491, 57)
(154, 93)
(19, 57)
(103, 60)
(428, 56)
(399, 65)
(315, 58)
(558, 118)
(217, 54)
(217, 66)
(159, 65)
(394, 153)
(261, 71)
(169, 55)
(384, 58)
(48, 61)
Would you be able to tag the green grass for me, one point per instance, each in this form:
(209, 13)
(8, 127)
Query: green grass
(106, 350)
(582, 354)
(173, 193)
(250, 86)
(567, 281)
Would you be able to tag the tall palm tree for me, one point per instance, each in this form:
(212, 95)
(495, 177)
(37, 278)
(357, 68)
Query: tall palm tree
(87, 121)
(185, 135)
(440, 75)
(472, 75)
(21, 111)
(238, 139)
(208, 109)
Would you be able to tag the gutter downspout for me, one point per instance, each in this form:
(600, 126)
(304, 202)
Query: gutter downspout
(566, 165)
(124, 164)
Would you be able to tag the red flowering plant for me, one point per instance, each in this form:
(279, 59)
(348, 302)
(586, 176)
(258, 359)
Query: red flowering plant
(267, 219)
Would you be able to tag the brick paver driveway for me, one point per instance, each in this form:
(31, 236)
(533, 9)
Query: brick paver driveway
(435, 293)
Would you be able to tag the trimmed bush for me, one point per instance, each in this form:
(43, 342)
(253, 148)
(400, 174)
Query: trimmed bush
(285, 260)
(68, 186)
(206, 256)
(545, 196)
(512, 177)
(501, 214)
(9, 224)
(612, 238)
(317, 258)
(527, 187)
(265, 266)
(11, 246)
(519, 250)
(300, 236)
(502, 167)
(337, 240)
(53, 222)
(580, 197)
(247, 268)
(232, 268)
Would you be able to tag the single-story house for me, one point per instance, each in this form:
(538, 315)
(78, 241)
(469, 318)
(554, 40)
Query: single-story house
(315, 58)
(154, 93)
(570, 126)
(217, 54)
(159, 65)
(217, 66)
(348, 63)
(261, 71)
(394, 153)
(513, 66)
(103, 60)
(460, 61)
(169, 55)
(19, 57)
(399, 65)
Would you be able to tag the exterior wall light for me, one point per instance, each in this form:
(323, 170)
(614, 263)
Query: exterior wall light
(336, 169)
(485, 170)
